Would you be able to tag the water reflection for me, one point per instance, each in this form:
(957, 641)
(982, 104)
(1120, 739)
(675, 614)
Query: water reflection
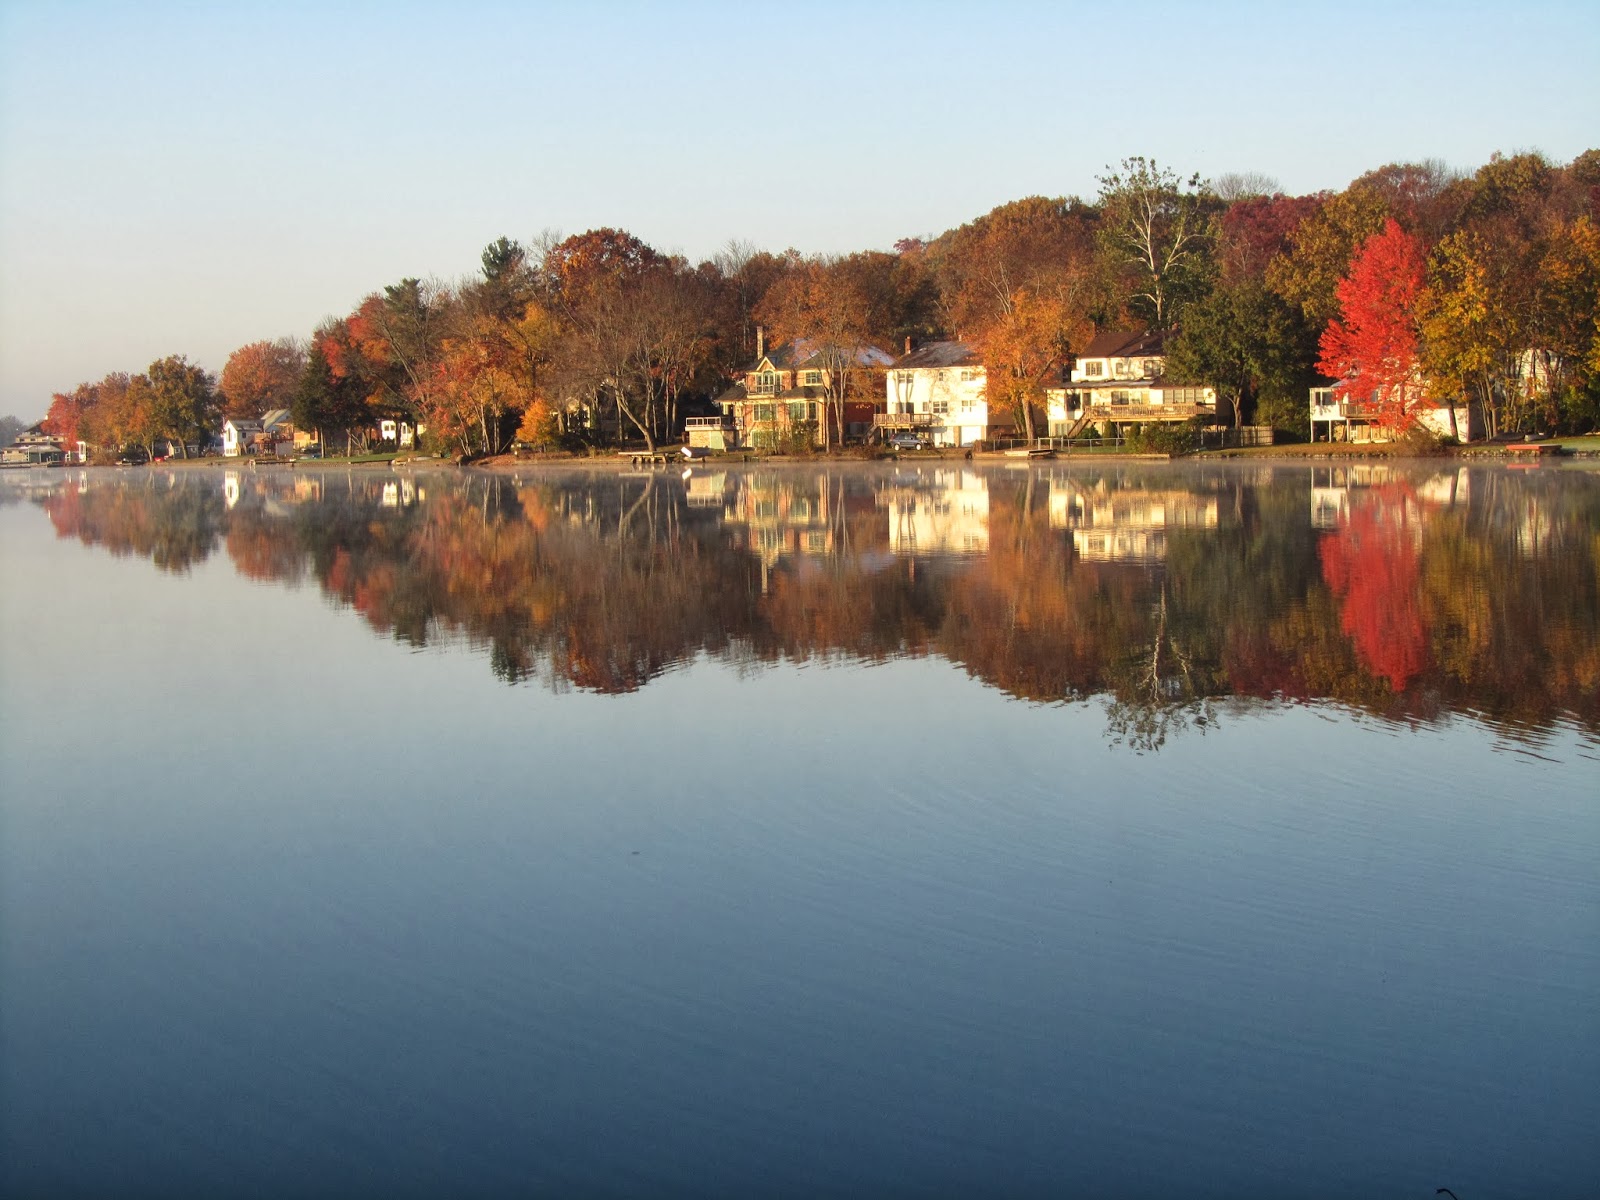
(1410, 593)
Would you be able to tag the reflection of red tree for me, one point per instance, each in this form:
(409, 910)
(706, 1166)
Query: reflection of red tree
(1371, 564)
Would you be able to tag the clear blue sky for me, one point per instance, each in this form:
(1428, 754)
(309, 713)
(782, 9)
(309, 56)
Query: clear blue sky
(186, 178)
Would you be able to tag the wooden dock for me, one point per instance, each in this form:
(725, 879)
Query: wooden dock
(646, 458)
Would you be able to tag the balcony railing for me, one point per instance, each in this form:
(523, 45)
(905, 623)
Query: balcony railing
(907, 421)
(1148, 412)
(1336, 410)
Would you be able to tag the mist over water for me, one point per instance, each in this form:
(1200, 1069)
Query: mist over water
(1184, 831)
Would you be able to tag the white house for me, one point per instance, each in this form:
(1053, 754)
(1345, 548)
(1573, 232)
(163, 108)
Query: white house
(1119, 380)
(239, 436)
(1351, 419)
(938, 390)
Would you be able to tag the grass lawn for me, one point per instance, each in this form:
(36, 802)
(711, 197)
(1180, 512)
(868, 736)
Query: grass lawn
(1590, 443)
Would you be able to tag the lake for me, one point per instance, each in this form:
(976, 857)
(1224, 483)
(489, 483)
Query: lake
(896, 830)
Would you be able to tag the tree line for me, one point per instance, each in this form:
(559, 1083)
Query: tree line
(1484, 286)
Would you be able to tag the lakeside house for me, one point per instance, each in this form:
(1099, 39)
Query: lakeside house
(937, 391)
(34, 447)
(1119, 380)
(783, 393)
(240, 436)
(1354, 418)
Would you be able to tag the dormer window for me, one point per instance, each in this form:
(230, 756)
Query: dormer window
(1094, 370)
(766, 384)
(1119, 368)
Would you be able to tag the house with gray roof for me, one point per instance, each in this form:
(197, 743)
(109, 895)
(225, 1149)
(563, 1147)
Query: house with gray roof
(937, 391)
(784, 391)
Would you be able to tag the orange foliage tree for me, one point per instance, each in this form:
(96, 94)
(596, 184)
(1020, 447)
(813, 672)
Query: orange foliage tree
(260, 377)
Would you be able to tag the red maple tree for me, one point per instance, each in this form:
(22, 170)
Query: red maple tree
(1371, 348)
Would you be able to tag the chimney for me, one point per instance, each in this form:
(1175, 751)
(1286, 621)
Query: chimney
(761, 342)
(908, 343)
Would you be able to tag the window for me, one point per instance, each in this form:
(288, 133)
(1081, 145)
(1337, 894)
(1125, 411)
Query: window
(765, 412)
(1152, 367)
(1094, 370)
(939, 407)
(811, 378)
(970, 375)
(766, 384)
(797, 410)
(1119, 369)
(1120, 396)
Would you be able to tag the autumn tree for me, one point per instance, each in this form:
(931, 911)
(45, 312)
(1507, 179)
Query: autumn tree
(1426, 197)
(1156, 231)
(183, 401)
(1565, 345)
(826, 312)
(495, 342)
(595, 281)
(746, 275)
(1371, 348)
(70, 417)
(1254, 230)
(1030, 245)
(1025, 347)
(1021, 284)
(1474, 327)
(325, 400)
(1308, 271)
(260, 377)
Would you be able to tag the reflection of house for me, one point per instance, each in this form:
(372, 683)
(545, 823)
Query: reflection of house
(785, 389)
(1350, 418)
(947, 513)
(938, 390)
(783, 515)
(1127, 524)
(705, 489)
(399, 493)
(1118, 381)
(1331, 489)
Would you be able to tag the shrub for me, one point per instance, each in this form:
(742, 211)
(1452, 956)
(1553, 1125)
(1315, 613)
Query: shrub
(1165, 439)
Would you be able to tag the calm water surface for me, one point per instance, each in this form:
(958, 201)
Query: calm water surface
(899, 831)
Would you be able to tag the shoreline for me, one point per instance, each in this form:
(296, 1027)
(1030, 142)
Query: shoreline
(620, 461)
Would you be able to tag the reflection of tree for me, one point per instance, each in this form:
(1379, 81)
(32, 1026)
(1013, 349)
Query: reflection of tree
(1162, 688)
(1371, 564)
(175, 527)
(1428, 600)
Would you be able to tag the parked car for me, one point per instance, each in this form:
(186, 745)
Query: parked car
(910, 441)
(311, 452)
